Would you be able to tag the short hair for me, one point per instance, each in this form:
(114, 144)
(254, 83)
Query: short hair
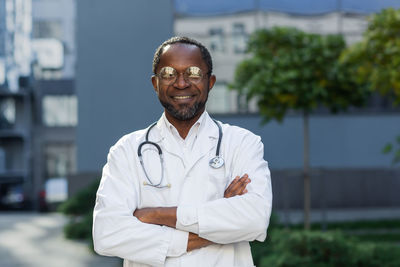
(205, 54)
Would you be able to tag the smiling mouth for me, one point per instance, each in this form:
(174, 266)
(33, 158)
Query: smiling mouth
(182, 97)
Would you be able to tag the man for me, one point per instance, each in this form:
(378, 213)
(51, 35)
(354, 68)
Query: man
(187, 191)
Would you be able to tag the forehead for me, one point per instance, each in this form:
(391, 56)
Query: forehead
(181, 56)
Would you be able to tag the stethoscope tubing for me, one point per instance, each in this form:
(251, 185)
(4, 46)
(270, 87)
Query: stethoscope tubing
(215, 162)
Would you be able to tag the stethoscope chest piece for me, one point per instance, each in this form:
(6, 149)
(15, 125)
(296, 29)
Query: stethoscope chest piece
(217, 162)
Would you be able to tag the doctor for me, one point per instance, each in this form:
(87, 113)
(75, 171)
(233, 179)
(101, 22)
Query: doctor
(188, 190)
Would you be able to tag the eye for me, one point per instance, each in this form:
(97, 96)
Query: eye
(167, 73)
(194, 73)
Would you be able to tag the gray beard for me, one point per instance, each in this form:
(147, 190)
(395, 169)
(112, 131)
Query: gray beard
(185, 113)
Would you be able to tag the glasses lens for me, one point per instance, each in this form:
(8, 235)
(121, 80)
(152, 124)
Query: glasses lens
(168, 74)
(194, 74)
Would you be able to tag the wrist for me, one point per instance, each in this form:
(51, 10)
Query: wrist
(166, 216)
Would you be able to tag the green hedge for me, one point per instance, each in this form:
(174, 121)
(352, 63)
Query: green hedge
(80, 210)
(286, 248)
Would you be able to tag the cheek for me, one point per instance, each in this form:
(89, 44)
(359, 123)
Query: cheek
(161, 91)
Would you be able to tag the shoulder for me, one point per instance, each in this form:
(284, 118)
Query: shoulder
(233, 132)
(129, 142)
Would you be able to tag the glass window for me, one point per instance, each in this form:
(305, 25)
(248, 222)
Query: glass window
(60, 110)
(60, 160)
(217, 40)
(239, 38)
(2, 66)
(7, 113)
(47, 29)
(222, 100)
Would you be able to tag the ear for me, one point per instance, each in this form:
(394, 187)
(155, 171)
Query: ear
(154, 81)
(211, 82)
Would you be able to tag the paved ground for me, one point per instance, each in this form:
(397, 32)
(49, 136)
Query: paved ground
(32, 239)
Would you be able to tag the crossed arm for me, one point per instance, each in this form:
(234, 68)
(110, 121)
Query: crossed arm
(167, 215)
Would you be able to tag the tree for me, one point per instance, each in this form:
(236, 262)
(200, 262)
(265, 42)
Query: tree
(292, 70)
(376, 61)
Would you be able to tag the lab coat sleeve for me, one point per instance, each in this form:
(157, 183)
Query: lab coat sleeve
(239, 218)
(116, 232)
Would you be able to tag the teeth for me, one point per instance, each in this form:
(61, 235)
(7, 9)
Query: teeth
(182, 97)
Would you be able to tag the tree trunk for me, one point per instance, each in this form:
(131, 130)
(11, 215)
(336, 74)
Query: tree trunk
(306, 172)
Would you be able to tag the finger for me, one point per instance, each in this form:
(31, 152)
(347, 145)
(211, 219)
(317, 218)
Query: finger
(238, 186)
(234, 181)
(244, 180)
(244, 184)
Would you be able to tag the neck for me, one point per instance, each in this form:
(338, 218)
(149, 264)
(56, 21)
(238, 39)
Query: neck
(183, 127)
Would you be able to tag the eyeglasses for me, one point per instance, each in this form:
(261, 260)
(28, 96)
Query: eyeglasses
(169, 75)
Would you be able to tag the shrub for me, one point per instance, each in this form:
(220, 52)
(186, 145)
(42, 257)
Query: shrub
(80, 210)
(82, 202)
(287, 248)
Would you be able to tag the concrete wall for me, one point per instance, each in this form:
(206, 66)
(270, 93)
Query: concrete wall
(336, 141)
(116, 41)
(337, 188)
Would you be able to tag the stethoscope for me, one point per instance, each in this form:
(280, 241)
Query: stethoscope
(216, 162)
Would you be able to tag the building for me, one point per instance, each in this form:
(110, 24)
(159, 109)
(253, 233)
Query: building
(38, 100)
(226, 36)
(15, 102)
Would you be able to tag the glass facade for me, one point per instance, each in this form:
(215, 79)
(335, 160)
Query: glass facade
(60, 110)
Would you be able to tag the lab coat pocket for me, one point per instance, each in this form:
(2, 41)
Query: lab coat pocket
(154, 197)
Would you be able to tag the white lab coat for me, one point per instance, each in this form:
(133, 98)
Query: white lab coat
(196, 189)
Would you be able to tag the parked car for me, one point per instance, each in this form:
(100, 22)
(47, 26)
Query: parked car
(54, 192)
(12, 196)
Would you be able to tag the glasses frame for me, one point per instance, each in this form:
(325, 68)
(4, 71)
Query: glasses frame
(185, 77)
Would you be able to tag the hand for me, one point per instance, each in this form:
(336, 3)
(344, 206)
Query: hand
(196, 242)
(237, 186)
(145, 215)
(161, 216)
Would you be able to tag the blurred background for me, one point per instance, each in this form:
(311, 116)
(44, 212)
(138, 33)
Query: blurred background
(75, 77)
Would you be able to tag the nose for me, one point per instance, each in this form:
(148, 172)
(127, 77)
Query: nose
(181, 82)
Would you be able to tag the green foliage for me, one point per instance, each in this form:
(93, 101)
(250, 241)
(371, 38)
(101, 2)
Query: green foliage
(82, 202)
(313, 248)
(80, 210)
(376, 59)
(80, 227)
(393, 148)
(291, 69)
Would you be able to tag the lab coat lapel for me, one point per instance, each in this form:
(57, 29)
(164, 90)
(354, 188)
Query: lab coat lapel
(207, 139)
(165, 139)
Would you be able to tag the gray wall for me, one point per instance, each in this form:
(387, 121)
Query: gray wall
(336, 141)
(338, 188)
(116, 42)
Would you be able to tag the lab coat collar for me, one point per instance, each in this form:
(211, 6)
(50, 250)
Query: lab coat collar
(207, 138)
(207, 128)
